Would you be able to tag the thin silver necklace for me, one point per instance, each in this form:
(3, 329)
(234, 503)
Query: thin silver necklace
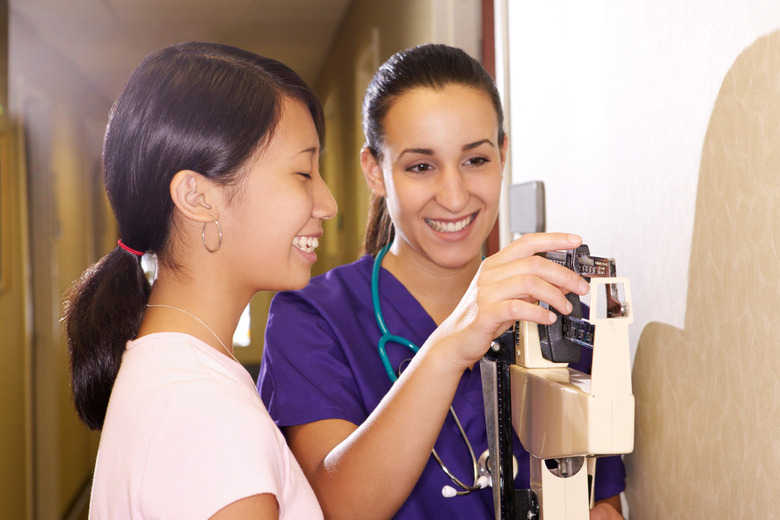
(199, 321)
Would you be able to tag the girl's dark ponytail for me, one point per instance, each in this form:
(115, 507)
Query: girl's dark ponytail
(102, 313)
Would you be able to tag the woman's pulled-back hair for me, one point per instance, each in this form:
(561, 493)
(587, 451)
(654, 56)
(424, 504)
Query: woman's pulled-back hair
(432, 66)
(194, 106)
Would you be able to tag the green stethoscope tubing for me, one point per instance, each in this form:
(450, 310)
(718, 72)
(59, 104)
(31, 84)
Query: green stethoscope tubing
(387, 337)
(380, 319)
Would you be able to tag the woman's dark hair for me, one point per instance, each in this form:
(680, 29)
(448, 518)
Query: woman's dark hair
(432, 66)
(204, 107)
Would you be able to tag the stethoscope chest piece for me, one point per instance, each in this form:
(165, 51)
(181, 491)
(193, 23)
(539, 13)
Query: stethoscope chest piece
(483, 469)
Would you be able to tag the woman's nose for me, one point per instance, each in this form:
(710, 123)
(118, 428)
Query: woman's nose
(452, 193)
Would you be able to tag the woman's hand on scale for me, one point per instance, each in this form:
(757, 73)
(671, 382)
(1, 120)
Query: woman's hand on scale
(507, 288)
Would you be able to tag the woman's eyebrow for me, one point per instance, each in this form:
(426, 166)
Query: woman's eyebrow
(422, 151)
(476, 144)
(429, 151)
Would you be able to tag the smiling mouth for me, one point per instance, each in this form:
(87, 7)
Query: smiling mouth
(306, 244)
(451, 226)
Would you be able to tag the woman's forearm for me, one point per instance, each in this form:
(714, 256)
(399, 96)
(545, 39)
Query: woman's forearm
(372, 472)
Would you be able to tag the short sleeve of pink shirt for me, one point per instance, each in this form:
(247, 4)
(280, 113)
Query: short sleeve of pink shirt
(186, 435)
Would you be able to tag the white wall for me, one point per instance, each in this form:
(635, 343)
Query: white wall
(609, 103)
(458, 23)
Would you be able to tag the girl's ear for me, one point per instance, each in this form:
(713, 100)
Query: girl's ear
(372, 172)
(193, 195)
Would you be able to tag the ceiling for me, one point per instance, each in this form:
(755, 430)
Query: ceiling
(106, 39)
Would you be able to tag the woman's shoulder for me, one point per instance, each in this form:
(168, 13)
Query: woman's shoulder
(359, 270)
(342, 283)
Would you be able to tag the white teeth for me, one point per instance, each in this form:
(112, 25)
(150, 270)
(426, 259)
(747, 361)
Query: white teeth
(450, 227)
(306, 244)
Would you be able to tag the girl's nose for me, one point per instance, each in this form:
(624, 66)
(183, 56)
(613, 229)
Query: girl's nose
(325, 206)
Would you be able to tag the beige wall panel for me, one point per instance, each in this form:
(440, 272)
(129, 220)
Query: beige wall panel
(74, 173)
(15, 454)
(708, 396)
(67, 225)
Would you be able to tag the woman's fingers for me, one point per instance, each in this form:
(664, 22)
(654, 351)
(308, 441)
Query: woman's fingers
(530, 289)
(519, 310)
(510, 284)
(523, 256)
(530, 279)
(534, 243)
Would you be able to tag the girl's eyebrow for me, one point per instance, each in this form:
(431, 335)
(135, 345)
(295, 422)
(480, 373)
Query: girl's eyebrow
(311, 150)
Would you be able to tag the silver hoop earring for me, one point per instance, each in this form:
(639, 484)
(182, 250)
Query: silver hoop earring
(203, 236)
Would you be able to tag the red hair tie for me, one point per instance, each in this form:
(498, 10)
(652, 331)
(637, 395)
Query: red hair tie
(128, 249)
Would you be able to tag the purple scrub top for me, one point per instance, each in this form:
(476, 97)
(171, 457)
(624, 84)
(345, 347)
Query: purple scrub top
(321, 362)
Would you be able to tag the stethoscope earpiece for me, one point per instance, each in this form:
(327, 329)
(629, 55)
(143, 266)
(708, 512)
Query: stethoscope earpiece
(448, 492)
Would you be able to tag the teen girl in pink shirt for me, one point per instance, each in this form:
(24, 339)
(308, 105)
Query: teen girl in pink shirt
(211, 164)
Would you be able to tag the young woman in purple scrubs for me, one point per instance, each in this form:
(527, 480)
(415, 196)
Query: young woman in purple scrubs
(434, 157)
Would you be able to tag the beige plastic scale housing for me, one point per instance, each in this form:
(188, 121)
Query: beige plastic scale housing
(559, 412)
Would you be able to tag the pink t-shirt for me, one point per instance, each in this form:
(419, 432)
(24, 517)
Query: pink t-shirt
(186, 434)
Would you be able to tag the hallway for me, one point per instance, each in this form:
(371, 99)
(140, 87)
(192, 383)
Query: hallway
(64, 64)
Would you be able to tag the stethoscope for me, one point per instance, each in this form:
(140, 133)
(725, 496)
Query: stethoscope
(481, 473)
